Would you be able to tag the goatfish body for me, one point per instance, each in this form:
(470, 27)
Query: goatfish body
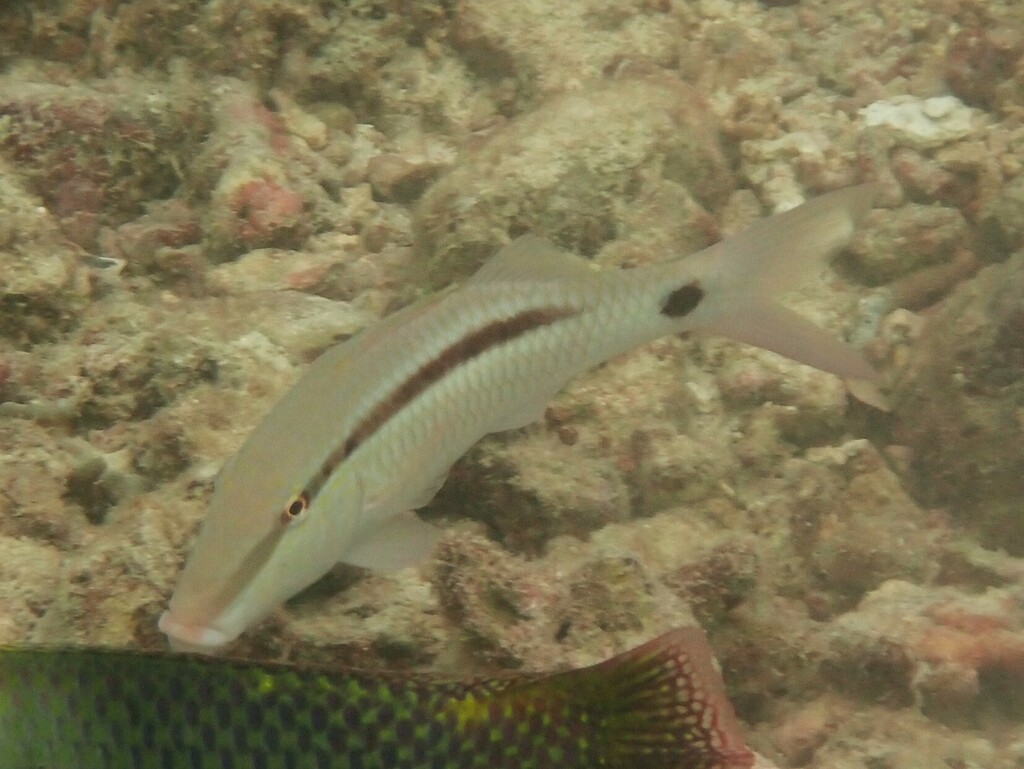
(371, 429)
(662, 705)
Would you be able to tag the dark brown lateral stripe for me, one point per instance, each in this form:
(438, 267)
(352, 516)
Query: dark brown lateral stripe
(460, 352)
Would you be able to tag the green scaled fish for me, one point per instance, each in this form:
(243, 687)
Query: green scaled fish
(661, 705)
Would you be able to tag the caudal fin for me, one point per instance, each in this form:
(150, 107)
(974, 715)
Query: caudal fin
(751, 270)
(773, 254)
(662, 705)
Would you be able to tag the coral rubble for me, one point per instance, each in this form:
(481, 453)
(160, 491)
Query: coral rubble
(197, 198)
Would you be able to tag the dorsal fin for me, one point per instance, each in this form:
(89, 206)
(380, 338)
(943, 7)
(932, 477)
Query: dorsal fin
(532, 258)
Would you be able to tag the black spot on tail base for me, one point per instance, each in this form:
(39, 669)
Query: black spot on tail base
(682, 301)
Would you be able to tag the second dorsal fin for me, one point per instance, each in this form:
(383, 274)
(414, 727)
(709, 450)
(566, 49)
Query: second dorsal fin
(532, 258)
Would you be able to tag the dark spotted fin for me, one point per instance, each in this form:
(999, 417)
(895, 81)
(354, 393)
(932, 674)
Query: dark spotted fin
(662, 705)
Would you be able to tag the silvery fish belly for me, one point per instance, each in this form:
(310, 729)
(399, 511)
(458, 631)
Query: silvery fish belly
(371, 429)
(660, 705)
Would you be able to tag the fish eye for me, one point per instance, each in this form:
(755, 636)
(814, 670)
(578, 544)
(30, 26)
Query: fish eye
(295, 510)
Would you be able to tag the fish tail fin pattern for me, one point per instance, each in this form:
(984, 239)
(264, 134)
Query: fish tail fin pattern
(662, 704)
(746, 274)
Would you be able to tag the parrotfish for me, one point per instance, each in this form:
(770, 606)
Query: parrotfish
(371, 429)
(661, 705)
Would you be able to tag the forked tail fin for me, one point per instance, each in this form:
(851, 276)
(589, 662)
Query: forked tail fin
(662, 705)
(747, 273)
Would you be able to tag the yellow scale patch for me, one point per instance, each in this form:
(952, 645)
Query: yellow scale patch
(468, 710)
(265, 683)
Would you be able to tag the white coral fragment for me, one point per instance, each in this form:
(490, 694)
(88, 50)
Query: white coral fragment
(923, 123)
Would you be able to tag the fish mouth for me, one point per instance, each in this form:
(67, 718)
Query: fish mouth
(185, 637)
(219, 603)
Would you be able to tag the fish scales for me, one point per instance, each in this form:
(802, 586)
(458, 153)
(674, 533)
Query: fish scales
(485, 391)
(661, 704)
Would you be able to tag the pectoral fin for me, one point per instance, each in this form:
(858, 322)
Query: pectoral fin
(400, 541)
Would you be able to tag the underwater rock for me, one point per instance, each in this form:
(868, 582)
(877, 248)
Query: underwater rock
(921, 176)
(980, 64)
(780, 401)
(853, 525)
(495, 597)
(395, 178)
(256, 200)
(923, 123)
(881, 736)
(1001, 220)
(958, 402)
(96, 487)
(102, 148)
(41, 290)
(359, 47)
(608, 592)
(808, 728)
(31, 578)
(842, 524)
(927, 285)
(896, 242)
(271, 269)
(146, 244)
(526, 493)
(31, 506)
(960, 656)
(717, 579)
(541, 172)
(128, 379)
(555, 52)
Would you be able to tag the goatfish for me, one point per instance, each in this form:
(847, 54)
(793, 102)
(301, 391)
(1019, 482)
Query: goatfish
(662, 705)
(370, 431)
